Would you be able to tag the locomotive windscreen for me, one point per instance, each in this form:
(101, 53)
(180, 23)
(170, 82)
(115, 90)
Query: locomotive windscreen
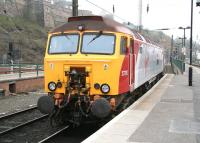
(95, 43)
(67, 43)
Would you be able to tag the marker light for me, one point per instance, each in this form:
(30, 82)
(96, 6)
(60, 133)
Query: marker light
(59, 84)
(97, 86)
(81, 27)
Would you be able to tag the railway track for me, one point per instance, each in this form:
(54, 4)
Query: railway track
(28, 126)
(17, 119)
(79, 134)
(53, 135)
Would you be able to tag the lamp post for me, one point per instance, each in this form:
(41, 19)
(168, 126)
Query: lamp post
(75, 8)
(182, 51)
(191, 28)
(182, 41)
(188, 27)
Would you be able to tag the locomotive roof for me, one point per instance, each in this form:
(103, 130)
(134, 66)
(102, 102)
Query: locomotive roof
(98, 23)
(92, 23)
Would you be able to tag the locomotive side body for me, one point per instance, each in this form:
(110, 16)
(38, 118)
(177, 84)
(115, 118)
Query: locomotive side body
(149, 63)
(90, 64)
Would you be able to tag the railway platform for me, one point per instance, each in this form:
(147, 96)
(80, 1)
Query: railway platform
(168, 113)
(13, 83)
(15, 76)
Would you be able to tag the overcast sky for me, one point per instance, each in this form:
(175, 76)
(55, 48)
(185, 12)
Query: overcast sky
(162, 13)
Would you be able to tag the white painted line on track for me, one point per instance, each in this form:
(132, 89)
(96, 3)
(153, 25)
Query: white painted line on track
(32, 105)
(46, 139)
(3, 113)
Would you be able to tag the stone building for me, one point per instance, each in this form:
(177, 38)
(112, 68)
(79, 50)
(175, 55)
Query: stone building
(57, 13)
(33, 10)
(47, 13)
(54, 14)
(12, 7)
(61, 3)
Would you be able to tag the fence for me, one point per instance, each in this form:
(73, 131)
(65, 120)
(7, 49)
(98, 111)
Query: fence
(179, 64)
(21, 69)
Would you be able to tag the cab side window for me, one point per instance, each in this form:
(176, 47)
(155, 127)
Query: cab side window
(123, 45)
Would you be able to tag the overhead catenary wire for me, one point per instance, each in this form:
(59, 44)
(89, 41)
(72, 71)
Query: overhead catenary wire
(107, 11)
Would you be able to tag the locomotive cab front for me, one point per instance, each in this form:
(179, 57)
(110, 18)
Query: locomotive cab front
(83, 72)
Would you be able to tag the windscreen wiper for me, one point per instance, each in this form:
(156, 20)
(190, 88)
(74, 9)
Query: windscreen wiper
(68, 37)
(97, 36)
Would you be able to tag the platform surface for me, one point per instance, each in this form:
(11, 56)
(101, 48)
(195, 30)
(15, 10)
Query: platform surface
(15, 76)
(168, 113)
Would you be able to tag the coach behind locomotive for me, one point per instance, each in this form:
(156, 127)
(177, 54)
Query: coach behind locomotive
(90, 64)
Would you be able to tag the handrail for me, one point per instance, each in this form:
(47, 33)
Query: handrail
(22, 64)
(180, 64)
(21, 68)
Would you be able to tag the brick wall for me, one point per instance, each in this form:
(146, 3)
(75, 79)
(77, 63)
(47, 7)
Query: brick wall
(23, 85)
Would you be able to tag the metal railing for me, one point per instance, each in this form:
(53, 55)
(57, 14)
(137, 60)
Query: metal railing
(180, 64)
(21, 69)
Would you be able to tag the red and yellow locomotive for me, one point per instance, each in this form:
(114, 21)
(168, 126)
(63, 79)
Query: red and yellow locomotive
(91, 63)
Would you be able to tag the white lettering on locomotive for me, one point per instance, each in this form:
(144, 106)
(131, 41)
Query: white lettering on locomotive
(124, 73)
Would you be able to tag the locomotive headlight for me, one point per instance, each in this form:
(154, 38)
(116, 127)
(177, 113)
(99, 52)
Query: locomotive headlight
(105, 88)
(52, 86)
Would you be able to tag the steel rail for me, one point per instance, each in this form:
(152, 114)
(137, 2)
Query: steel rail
(54, 134)
(18, 112)
(23, 124)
